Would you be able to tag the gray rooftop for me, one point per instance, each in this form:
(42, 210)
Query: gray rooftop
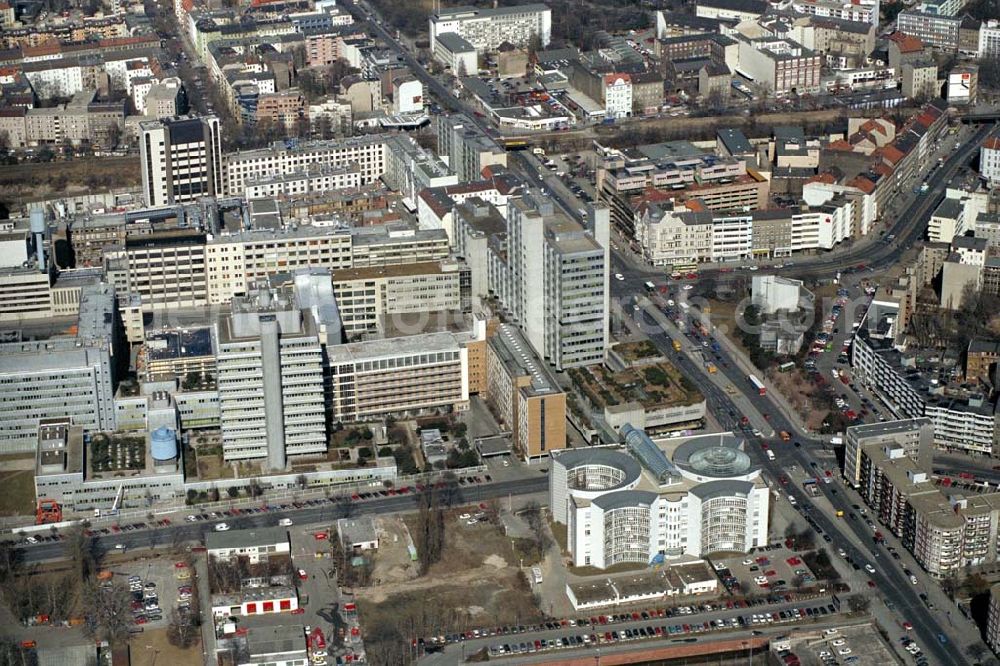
(573, 458)
(479, 12)
(887, 428)
(274, 640)
(261, 536)
(725, 488)
(455, 43)
(625, 499)
(356, 352)
(520, 359)
(357, 530)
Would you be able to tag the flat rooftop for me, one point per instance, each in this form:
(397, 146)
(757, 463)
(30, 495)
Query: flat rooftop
(887, 428)
(279, 639)
(261, 536)
(179, 343)
(393, 271)
(520, 359)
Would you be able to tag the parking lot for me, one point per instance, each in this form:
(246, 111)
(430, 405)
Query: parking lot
(157, 585)
(857, 645)
(679, 623)
(777, 570)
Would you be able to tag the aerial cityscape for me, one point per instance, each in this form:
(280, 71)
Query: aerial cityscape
(569, 332)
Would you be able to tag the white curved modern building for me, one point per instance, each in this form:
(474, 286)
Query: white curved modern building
(650, 502)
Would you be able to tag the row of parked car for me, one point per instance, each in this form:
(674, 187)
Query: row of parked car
(675, 631)
(600, 621)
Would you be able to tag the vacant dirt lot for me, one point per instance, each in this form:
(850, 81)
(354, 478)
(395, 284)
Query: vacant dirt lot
(800, 392)
(152, 647)
(30, 181)
(476, 584)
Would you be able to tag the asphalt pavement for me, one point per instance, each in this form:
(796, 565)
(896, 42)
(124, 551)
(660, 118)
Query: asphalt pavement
(338, 507)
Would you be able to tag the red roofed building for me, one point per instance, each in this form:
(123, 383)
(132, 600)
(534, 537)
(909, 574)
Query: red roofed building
(904, 49)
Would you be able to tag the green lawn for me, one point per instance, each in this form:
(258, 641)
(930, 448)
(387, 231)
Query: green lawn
(18, 497)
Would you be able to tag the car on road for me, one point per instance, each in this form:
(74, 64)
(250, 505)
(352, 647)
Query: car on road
(285, 522)
(221, 527)
(619, 277)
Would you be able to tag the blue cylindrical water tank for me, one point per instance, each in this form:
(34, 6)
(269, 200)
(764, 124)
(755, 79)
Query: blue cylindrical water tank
(164, 443)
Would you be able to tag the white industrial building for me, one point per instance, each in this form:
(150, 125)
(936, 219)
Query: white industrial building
(456, 53)
(270, 370)
(487, 29)
(61, 377)
(773, 293)
(658, 501)
(552, 276)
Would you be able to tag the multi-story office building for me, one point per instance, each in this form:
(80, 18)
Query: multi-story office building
(467, 148)
(781, 64)
(932, 29)
(270, 371)
(456, 53)
(368, 152)
(860, 11)
(70, 377)
(410, 169)
(411, 375)
(989, 39)
(367, 297)
(164, 269)
(306, 181)
(552, 276)
(673, 171)
(185, 268)
(477, 224)
(487, 29)
(525, 395)
(654, 501)
(914, 436)
(65, 470)
(181, 159)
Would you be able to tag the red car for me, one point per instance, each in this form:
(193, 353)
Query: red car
(298, 611)
(871, 583)
(302, 574)
(319, 536)
(907, 626)
(180, 565)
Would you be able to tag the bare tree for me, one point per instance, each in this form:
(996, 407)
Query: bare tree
(181, 632)
(82, 550)
(107, 614)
